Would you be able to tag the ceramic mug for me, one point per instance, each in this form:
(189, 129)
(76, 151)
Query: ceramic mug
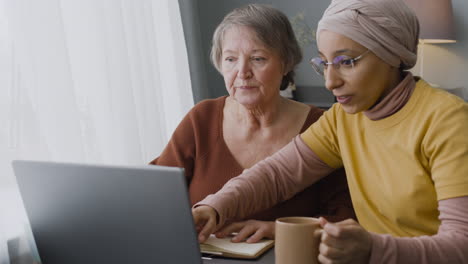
(297, 240)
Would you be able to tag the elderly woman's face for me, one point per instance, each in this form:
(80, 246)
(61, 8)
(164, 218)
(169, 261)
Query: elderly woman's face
(357, 88)
(252, 72)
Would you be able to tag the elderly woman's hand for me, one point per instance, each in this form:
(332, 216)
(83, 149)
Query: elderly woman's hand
(252, 230)
(205, 218)
(344, 242)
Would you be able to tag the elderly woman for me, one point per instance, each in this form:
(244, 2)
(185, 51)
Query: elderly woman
(255, 50)
(403, 144)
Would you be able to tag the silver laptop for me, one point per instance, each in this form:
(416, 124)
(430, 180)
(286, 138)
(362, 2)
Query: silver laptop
(108, 214)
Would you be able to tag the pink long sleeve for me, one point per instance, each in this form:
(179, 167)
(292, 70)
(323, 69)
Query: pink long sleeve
(269, 182)
(449, 245)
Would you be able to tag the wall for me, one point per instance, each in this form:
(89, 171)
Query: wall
(444, 64)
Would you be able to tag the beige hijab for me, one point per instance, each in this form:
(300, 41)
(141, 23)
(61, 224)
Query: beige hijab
(388, 28)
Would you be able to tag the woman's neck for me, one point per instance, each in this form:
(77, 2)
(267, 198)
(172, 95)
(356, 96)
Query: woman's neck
(394, 79)
(258, 116)
(394, 99)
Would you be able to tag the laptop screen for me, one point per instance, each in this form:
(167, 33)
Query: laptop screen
(108, 214)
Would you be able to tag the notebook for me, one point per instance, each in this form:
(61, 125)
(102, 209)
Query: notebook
(108, 214)
(224, 247)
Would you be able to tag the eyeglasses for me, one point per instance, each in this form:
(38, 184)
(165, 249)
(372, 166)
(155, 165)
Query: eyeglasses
(343, 64)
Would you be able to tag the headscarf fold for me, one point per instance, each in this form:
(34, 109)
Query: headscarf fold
(389, 28)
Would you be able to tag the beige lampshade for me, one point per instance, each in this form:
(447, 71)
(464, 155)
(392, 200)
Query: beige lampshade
(436, 20)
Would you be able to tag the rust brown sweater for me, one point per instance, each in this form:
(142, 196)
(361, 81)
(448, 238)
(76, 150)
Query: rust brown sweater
(198, 146)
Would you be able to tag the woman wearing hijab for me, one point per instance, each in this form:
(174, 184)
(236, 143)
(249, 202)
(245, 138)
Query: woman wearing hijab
(402, 143)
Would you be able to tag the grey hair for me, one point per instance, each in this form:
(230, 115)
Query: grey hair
(272, 28)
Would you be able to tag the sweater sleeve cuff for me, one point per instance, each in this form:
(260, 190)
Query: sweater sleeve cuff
(377, 250)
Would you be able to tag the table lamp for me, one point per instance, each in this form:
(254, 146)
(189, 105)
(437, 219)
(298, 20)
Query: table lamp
(436, 23)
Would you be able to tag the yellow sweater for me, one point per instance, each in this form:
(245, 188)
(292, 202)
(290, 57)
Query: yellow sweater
(400, 166)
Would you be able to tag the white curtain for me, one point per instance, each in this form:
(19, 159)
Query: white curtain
(89, 81)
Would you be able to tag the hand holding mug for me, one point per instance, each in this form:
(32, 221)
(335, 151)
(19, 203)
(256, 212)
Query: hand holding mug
(344, 242)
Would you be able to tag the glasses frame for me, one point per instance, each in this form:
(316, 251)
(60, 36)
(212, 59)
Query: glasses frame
(337, 65)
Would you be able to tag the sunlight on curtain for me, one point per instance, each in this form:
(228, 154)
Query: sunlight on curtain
(95, 81)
